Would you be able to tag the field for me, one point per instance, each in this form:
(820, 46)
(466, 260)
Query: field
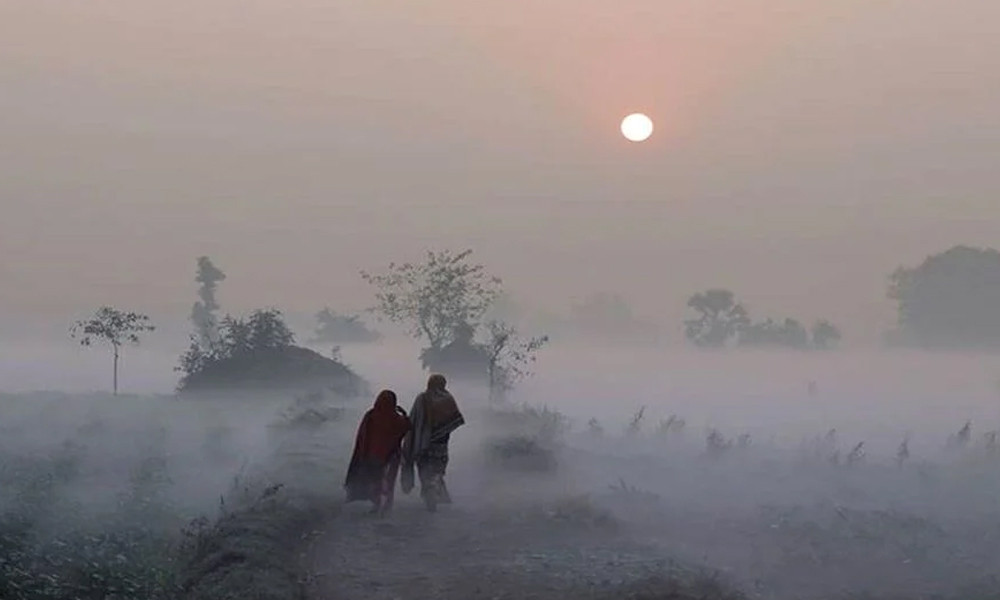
(734, 481)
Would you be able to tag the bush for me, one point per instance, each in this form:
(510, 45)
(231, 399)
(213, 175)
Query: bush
(259, 353)
(277, 368)
(520, 452)
(525, 438)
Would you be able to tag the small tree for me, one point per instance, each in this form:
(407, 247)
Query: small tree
(720, 318)
(509, 357)
(437, 298)
(114, 327)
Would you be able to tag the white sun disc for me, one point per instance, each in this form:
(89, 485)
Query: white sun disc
(637, 127)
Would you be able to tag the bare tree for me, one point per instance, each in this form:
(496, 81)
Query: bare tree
(114, 327)
(509, 357)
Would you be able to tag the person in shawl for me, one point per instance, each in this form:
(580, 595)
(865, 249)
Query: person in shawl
(375, 463)
(434, 416)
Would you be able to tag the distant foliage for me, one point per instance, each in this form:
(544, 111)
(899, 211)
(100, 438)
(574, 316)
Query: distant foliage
(509, 356)
(436, 298)
(787, 334)
(462, 357)
(259, 351)
(528, 437)
(720, 318)
(825, 335)
(334, 328)
(444, 301)
(203, 312)
(263, 329)
(949, 300)
(116, 328)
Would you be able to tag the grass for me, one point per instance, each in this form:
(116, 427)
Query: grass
(97, 515)
(54, 544)
(48, 549)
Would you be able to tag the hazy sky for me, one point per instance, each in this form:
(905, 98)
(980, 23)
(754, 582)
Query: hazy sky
(803, 148)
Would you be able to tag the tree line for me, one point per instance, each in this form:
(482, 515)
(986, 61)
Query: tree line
(721, 320)
(946, 301)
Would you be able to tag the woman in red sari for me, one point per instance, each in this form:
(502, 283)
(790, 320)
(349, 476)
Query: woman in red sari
(375, 463)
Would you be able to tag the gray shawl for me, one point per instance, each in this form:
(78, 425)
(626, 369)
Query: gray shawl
(434, 416)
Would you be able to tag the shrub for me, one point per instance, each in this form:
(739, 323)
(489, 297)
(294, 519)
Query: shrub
(259, 353)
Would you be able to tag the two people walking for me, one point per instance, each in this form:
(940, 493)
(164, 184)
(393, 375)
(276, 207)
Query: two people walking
(388, 440)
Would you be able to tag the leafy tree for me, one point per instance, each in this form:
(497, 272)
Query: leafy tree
(264, 329)
(234, 337)
(825, 335)
(436, 298)
(337, 328)
(950, 299)
(203, 311)
(509, 357)
(720, 318)
(268, 330)
(115, 327)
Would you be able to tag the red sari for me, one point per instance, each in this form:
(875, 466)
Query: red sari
(375, 463)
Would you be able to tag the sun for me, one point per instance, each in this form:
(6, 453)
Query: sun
(637, 127)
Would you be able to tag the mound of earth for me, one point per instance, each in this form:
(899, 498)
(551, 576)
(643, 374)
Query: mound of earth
(286, 368)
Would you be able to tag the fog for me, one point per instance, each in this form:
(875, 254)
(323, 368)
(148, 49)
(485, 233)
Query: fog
(802, 151)
(865, 392)
(300, 142)
(629, 502)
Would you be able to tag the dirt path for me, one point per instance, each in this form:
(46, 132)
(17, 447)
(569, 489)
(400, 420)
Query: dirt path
(468, 553)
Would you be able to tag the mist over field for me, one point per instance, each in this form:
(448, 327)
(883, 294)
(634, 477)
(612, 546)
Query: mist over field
(782, 513)
(867, 391)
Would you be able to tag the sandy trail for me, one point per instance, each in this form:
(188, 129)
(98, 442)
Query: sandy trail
(506, 536)
(464, 553)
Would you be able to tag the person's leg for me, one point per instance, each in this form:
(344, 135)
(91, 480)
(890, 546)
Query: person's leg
(389, 486)
(443, 497)
(425, 469)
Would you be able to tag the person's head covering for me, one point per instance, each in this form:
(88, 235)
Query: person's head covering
(437, 382)
(385, 401)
